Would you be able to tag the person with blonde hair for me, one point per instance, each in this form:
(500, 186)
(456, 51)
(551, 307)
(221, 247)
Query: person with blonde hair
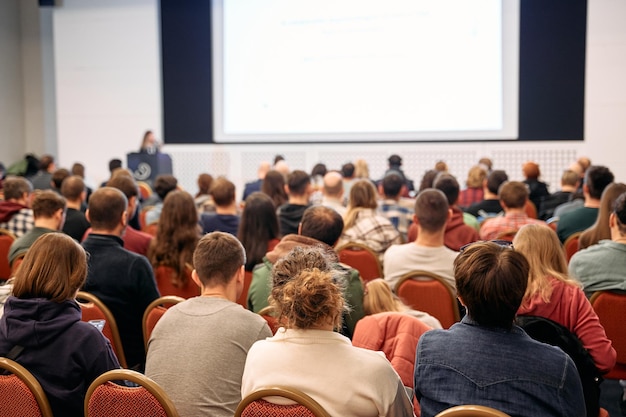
(361, 169)
(474, 192)
(378, 298)
(552, 294)
(600, 229)
(43, 320)
(362, 224)
(343, 379)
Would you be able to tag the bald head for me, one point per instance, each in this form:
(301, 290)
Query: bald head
(73, 188)
(333, 184)
(264, 168)
(107, 210)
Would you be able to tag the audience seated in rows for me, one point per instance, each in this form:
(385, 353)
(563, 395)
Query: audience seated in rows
(486, 359)
(198, 349)
(309, 303)
(600, 230)
(75, 193)
(258, 228)
(320, 227)
(490, 206)
(392, 187)
(15, 213)
(225, 218)
(299, 190)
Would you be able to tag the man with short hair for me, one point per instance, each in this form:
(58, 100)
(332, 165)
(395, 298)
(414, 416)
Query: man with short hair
(163, 185)
(321, 227)
(254, 186)
(578, 219)
(74, 191)
(49, 213)
(122, 280)
(42, 180)
(513, 196)
(298, 189)
(225, 218)
(490, 206)
(486, 359)
(395, 165)
(15, 213)
(570, 180)
(392, 187)
(201, 370)
(428, 252)
(58, 176)
(332, 192)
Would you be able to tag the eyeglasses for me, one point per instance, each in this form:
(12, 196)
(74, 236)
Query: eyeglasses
(499, 242)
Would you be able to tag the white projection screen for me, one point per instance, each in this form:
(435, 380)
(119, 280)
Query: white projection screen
(364, 70)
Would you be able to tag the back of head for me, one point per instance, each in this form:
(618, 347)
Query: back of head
(59, 176)
(491, 281)
(46, 204)
(54, 268)
(305, 291)
(475, 176)
(78, 169)
(486, 162)
(223, 192)
(448, 185)
(431, 210)
(106, 208)
(347, 170)
(124, 183)
(333, 184)
(513, 194)
(163, 184)
(15, 187)
(114, 164)
(217, 258)
(379, 298)
(319, 170)
(257, 226)
(597, 177)
(441, 166)
(394, 161)
(570, 178)
(204, 183)
(361, 169)
(530, 170)
(179, 212)
(45, 162)
(274, 186)
(72, 187)
(620, 213)
(428, 179)
(321, 223)
(495, 180)
(363, 195)
(392, 184)
(298, 182)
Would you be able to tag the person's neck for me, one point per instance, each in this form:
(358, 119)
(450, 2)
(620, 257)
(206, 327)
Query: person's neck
(389, 197)
(488, 195)
(230, 209)
(592, 202)
(226, 293)
(52, 224)
(568, 188)
(301, 200)
(116, 232)
(74, 204)
(509, 210)
(429, 239)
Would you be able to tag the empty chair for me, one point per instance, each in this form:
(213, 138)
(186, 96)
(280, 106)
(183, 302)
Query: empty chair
(611, 310)
(21, 393)
(299, 404)
(571, 245)
(105, 398)
(154, 312)
(471, 411)
(425, 291)
(94, 309)
(361, 258)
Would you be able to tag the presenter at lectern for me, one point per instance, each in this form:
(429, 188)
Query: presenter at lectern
(150, 144)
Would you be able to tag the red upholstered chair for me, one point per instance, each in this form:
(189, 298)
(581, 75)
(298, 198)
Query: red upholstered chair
(428, 292)
(144, 189)
(243, 298)
(164, 278)
(361, 258)
(571, 245)
(530, 209)
(267, 314)
(6, 240)
(105, 398)
(94, 309)
(16, 263)
(21, 393)
(471, 411)
(253, 405)
(154, 312)
(611, 310)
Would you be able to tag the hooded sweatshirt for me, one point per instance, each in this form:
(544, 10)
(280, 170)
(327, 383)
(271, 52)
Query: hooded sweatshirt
(8, 209)
(64, 353)
(289, 217)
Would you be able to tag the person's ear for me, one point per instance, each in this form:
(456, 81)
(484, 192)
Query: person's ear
(415, 219)
(195, 278)
(612, 220)
(124, 219)
(87, 215)
(300, 228)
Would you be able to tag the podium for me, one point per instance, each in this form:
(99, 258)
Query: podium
(146, 167)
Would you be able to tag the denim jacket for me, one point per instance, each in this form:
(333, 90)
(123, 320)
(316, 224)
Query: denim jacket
(498, 368)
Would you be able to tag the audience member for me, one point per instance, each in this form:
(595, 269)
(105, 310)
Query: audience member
(474, 191)
(254, 186)
(202, 375)
(79, 170)
(15, 213)
(362, 223)
(298, 192)
(347, 172)
(309, 302)
(177, 236)
(395, 165)
(41, 328)
(43, 178)
(552, 294)
(361, 169)
(282, 167)
(600, 230)
(428, 179)
(114, 165)
(392, 187)
(513, 196)
(486, 163)
(486, 359)
(320, 227)
(58, 176)
(75, 193)
(121, 279)
(332, 192)
(578, 219)
(428, 252)
(274, 186)
(317, 183)
(490, 206)
(441, 166)
(537, 190)
(258, 229)
(601, 267)
(203, 199)
(49, 212)
(570, 181)
(163, 184)
(225, 218)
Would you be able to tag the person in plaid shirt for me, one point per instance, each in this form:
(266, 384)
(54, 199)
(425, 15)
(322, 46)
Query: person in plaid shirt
(513, 196)
(392, 187)
(15, 213)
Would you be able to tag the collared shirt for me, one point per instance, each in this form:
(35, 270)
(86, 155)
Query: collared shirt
(400, 216)
(510, 221)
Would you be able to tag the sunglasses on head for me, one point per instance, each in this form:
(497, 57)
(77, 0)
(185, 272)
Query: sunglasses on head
(499, 242)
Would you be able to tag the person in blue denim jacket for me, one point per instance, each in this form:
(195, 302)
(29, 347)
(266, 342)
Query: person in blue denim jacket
(486, 359)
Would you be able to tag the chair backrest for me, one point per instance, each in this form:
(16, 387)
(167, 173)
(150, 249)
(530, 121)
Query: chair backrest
(94, 309)
(16, 263)
(154, 312)
(21, 393)
(425, 291)
(361, 258)
(611, 310)
(267, 314)
(142, 217)
(471, 411)
(6, 240)
(530, 209)
(105, 398)
(253, 405)
(144, 189)
(243, 298)
(571, 245)
(164, 278)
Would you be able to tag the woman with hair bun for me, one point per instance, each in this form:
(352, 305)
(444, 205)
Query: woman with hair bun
(343, 379)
